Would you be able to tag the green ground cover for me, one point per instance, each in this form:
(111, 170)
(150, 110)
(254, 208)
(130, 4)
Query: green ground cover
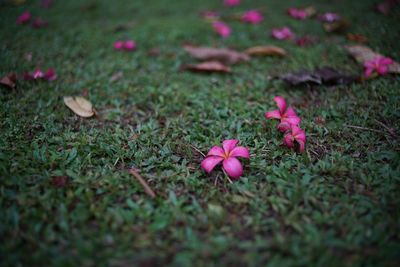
(337, 204)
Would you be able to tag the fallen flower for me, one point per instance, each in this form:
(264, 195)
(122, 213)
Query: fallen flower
(297, 13)
(39, 23)
(228, 156)
(286, 115)
(128, 45)
(252, 16)
(282, 33)
(24, 18)
(231, 3)
(118, 45)
(295, 134)
(222, 29)
(49, 75)
(10, 80)
(329, 17)
(379, 65)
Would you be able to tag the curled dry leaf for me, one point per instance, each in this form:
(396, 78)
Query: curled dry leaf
(336, 26)
(363, 54)
(208, 66)
(323, 76)
(80, 106)
(10, 80)
(223, 55)
(359, 38)
(267, 50)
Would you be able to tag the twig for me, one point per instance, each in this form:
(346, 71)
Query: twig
(198, 150)
(146, 187)
(363, 128)
(390, 130)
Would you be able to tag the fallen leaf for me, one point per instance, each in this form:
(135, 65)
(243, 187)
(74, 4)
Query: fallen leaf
(387, 6)
(116, 76)
(363, 54)
(223, 55)
(10, 80)
(336, 26)
(208, 66)
(359, 38)
(268, 50)
(59, 181)
(310, 11)
(79, 105)
(323, 76)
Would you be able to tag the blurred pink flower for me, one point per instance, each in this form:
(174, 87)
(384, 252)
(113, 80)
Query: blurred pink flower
(295, 134)
(129, 45)
(297, 13)
(286, 115)
(49, 75)
(252, 16)
(282, 33)
(329, 17)
(119, 45)
(228, 156)
(222, 29)
(39, 23)
(24, 18)
(377, 65)
(231, 3)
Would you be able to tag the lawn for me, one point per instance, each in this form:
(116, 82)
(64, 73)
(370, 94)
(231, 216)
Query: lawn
(336, 204)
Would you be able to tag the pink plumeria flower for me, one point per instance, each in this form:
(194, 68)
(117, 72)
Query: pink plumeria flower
(284, 33)
(50, 75)
(231, 3)
(329, 17)
(118, 45)
(379, 65)
(222, 29)
(39, 23)
(228, 156)
(24, 18)
(295, 135)
(252, 16)
(297, 13)
(129, 45)
(37, 74)
(286, 115)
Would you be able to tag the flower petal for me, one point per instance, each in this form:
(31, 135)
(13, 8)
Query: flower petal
(240, 151)
(284, 126)
(274, 114)
(50, 75)
(292, 120)
(229, 145)
(216, 151)
(288, 140)
(281, 103)
(209, 163)
(233, 167)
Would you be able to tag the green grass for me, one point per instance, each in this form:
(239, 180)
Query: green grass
(335, 205)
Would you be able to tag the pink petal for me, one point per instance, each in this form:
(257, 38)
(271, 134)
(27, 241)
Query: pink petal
(222, 29)
(240, 151)
(298, 133)
(231, 3)
(302, 146)
(281, 103)
(386, 61)
(290, 112)
(118, 45)
(368, 72)
(284, 126)
(50, 75)
(229, 145)
(209, 163)
(252, 16)
(274, 114)
(288, 140)
(216, 151)
(129, 45)
(37, 74)
(233, 167)
(382, 69)
(24, 17)
(292, 120)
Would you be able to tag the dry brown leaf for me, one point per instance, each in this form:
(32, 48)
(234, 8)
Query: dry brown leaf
(363, 54)
(310, 11)
(268, 50)
(336, 26)
(10, 80)
(208, 66)
(223, 55)
(359, 38)
(80, 106)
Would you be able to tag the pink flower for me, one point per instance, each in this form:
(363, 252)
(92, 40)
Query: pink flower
(47, 3)
(329, 17)
(297, 13)
(129, 45)
(282, 33)
(252, 16)
(49, 75)
(378, 64)
(119, 45)
(24, 18)
(228, 156)
(39, 23)
(295, 135)
(286, 115)
(222, 29)
(231, 3)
